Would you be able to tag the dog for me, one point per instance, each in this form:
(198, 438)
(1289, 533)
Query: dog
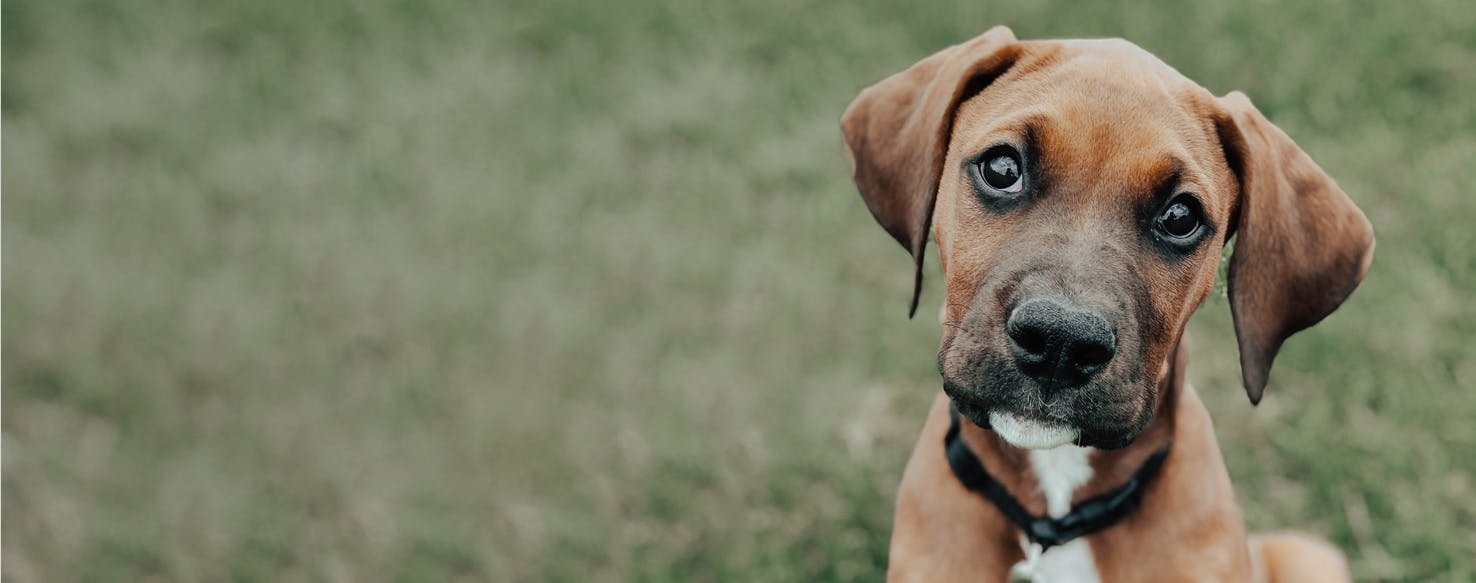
(1080, 193)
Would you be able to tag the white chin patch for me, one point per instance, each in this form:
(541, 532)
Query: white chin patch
(1031, 434)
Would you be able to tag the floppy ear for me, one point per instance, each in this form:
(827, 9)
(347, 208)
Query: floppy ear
(897, 131)
(1301, 244)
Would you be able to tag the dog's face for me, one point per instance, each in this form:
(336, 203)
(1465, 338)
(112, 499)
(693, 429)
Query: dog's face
(1081, 193)
(1079, 217)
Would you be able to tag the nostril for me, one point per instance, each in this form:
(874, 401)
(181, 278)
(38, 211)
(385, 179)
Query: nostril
(1031, 340)
(1091, 357)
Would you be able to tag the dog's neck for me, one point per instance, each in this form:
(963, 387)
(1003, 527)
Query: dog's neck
(1048, 482)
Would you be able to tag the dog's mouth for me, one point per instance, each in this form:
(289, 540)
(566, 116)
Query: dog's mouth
(1028, 432)
(1022, 429)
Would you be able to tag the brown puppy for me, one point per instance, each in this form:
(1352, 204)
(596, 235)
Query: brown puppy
(1080, 193)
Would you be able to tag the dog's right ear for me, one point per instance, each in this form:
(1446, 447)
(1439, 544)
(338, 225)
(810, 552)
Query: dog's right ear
(1301, 245)
(897, 133)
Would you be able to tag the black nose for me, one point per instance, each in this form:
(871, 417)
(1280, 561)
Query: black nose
(1058, 345)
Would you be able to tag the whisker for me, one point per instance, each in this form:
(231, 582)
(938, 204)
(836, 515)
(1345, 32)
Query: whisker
(958, 328)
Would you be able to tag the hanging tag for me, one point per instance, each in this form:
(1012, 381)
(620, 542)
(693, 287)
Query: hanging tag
(1025, 571)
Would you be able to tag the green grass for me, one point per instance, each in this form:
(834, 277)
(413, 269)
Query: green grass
(570, 290)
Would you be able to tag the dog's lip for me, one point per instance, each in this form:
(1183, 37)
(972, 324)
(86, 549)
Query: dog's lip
(1034, 415)
(979, 412)
(976, 412)
(1021, 427)
(1032, 432)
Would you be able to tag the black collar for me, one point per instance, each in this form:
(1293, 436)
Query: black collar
(1085, 518)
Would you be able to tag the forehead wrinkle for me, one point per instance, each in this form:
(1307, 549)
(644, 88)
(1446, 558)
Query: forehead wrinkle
(978, 126)
(1085, 148)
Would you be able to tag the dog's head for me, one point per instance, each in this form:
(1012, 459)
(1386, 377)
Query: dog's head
(1081, 193)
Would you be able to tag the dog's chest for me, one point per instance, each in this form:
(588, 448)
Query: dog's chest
(1060, 471)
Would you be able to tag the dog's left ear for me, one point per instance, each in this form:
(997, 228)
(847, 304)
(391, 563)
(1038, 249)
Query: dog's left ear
(897, 133)
(1301, 245)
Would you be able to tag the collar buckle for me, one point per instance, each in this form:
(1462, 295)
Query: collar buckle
(1043, 531)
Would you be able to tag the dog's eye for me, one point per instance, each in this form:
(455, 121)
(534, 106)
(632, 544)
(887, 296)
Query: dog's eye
(1180, 219)
(1000, 168)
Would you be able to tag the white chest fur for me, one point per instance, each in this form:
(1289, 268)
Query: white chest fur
(1060, 471)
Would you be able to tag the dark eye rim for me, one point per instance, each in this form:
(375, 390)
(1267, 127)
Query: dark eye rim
(1196, 210)
(975, 169)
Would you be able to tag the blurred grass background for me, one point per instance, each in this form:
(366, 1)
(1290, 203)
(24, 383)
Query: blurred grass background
(557, 290)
